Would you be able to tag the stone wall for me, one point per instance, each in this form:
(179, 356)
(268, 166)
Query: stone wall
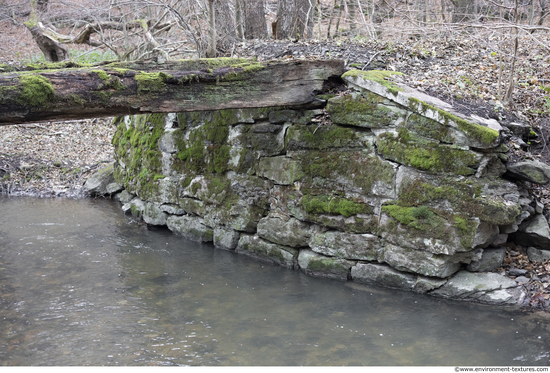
(383, 185)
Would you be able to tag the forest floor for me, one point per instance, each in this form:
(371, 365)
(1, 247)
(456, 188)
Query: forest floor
(55, 158)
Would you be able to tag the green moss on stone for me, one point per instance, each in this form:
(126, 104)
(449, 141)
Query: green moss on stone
(333, 205)
(412, 150)
(378, 76)
(477, 132)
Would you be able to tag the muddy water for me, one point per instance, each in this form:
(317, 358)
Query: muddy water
(81, 284)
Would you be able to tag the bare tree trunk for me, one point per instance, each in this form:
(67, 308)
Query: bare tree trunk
(226, 31)
(293, 18)
(352, 14)
(211, 51)
(464, 10)
(255, 26)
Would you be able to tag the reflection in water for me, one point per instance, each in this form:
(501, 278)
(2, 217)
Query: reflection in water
(81, 284)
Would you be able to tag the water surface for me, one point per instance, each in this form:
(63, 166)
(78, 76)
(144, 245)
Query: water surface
(82, 284)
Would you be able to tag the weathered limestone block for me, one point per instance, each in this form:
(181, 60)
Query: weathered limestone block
(212, 189)
(193, 206)
(252, 190)
(282, 116)
(238, 216)
(420, 228)
(125, 196)
(346, 245)
(536, 255)
(97, 183)
(172, 209)
(481, 287)
(167, 142)
(267, 139)
(480, 133)
(358, 223)
(163, 190)
(532, 171)
(113, 187)
(136, 207)
(407, 148)
(153, 215)
(382, 275)
(318, 265)
(424, 262)
(354, 171)
(534, 232)
(367, 110)
(424, 284)
(191, 227)
(260, 249)
(302, 137)
(283, 230)
(225, 238)
(491, 260)
(281, 170)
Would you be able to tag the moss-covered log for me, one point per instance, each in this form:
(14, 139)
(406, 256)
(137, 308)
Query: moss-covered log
(61, 91)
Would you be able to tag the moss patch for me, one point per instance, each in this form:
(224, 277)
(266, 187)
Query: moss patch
(151, 82)
(484, 135)
(378, 76)
(412, 150)
(37, 90)
(334, 205)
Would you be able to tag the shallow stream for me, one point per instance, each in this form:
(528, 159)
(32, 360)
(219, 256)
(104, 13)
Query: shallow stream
(82, 284)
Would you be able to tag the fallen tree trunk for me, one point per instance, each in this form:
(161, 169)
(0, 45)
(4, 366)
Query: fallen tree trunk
(122, 88)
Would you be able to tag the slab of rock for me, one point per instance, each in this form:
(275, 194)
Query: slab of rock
(534, 232)
(190, 227)
(346, 245)
(532, 171)
(98, 182)
(481, 287)
(536, 255)
(281, 170)
(153, 215)
(491, 259)
(255, 247)
(317, 265)
(284, 231)
(382, 275)
(225, 238)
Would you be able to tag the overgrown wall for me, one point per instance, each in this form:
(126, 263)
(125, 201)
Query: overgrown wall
(382, 186)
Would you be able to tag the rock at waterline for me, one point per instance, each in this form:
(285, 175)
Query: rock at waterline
(98, 182)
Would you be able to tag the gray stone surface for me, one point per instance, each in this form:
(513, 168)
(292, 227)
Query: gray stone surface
(534, 232)
(281, 170)
(260, 249)
(136, 207)
(346, 245)
(319, 265)
(481, 287)
(153, 215)
(284, 231)
(532, 171)
(97, 183)
(491, 259)
(113, 187)
(225, 238)
(190, 227)
(382, 275)
(536, 255)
